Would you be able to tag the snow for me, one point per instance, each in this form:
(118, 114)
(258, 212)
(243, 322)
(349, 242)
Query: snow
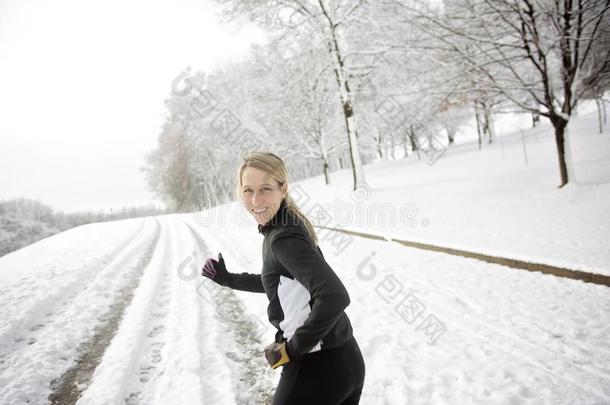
(434, 328)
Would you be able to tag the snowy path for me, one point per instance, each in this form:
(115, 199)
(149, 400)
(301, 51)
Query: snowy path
(252, 378)
(172, 346)
(180, 340)
(53, 311)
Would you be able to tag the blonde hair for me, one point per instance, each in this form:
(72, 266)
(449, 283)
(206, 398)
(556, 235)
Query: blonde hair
(275, 167)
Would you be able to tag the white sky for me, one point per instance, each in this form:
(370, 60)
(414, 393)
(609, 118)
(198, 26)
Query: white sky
(82, 85)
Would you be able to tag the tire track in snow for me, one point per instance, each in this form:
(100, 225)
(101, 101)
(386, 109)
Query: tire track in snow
(134, 353)
(68, 388)
(29, 370)
(22, 324)
(160, 352)
(151, 361)
(252, 376)
(168, 328)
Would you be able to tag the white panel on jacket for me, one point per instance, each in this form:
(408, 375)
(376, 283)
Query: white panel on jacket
(294, 300)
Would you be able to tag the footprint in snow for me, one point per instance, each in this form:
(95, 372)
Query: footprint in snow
(145, 372)
(235, 357)
(134, 398)
(160, 315)
(156, 330)
(36, 327)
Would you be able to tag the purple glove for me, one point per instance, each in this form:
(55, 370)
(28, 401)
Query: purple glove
(215, 270)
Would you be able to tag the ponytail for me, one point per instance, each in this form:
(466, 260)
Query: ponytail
(294, 209)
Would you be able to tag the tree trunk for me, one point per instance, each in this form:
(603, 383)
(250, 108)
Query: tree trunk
(379, 148)
(414, 143)
(450, 136)
(598, 103)
(560, 126)
(346, 102)
(489, 124)
(535, 119)
(324, 159)
(478, 120)
(326, 174)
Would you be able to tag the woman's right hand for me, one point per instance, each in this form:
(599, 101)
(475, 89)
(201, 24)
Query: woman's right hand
(215, 270)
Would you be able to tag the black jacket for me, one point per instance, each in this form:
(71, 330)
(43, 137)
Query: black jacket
(306, 298)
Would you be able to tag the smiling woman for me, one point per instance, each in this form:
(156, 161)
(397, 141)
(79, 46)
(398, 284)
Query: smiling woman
(322, 363)
(262, 185)
(261, 194)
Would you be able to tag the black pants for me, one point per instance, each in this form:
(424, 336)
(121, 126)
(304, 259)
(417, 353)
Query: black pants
(327, 377)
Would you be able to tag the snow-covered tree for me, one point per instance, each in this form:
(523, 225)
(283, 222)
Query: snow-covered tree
(325, 24)
(543, 49)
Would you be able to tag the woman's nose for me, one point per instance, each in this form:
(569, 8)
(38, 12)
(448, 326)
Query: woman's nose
(256, 197)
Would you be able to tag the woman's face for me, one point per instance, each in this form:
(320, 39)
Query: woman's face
(261, 194)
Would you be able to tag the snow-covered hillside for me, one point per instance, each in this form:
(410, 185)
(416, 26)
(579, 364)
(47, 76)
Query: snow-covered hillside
(489, 201)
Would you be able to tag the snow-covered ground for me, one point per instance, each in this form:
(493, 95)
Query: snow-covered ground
(434, 328)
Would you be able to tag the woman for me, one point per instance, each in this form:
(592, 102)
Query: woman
(321, 360)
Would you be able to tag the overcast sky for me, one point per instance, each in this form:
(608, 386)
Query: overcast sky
(82, 85)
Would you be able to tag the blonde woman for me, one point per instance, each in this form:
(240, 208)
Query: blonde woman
(321, 361)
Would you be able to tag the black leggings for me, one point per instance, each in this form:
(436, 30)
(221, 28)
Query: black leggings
(326, 377)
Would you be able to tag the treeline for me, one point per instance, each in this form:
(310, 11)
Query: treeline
(24, 221)
(344, 82)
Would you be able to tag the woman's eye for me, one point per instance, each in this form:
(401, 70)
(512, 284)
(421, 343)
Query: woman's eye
(264, 189)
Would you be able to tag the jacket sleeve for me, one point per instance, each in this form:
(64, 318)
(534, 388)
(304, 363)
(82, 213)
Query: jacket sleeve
(307, 265)
(246, 282)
